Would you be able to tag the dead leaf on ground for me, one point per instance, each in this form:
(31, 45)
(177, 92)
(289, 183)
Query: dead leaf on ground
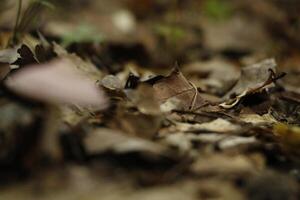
(176, 85)
(26, 56)
(253, 79)
(111, 82)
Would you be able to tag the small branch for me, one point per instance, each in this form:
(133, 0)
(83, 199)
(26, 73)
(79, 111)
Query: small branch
(14, 38)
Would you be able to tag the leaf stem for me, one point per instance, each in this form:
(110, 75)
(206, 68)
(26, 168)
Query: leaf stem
(14, 38)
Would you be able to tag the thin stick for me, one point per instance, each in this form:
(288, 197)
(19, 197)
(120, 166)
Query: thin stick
(14, 38)
(194, 97)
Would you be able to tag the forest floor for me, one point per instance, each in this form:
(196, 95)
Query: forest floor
(149, 99)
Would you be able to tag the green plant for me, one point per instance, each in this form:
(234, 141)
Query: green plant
(171, 33)
(84, 33)
(218, 9)
(27, 19)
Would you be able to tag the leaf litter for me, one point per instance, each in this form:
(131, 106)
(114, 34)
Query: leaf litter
(114, 118)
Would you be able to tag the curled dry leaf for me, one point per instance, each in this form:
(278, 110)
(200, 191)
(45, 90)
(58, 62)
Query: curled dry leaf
(253, 79)
(176, 85)
(56, 82)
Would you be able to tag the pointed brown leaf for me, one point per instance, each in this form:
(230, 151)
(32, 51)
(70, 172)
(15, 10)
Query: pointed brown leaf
(176, 85)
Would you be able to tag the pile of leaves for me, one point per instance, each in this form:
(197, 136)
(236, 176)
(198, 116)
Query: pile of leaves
(117, 119)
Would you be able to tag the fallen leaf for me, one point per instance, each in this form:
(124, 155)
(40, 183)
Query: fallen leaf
(253, 79)
(176, 85)
(111, 82)
(26, 56)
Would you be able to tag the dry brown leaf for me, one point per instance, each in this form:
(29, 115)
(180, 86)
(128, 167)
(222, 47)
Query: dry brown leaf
(111, 82)
(253, 79)
(176, 85)
(57, 82)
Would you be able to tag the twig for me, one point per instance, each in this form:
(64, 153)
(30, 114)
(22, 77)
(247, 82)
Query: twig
(14, 38)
